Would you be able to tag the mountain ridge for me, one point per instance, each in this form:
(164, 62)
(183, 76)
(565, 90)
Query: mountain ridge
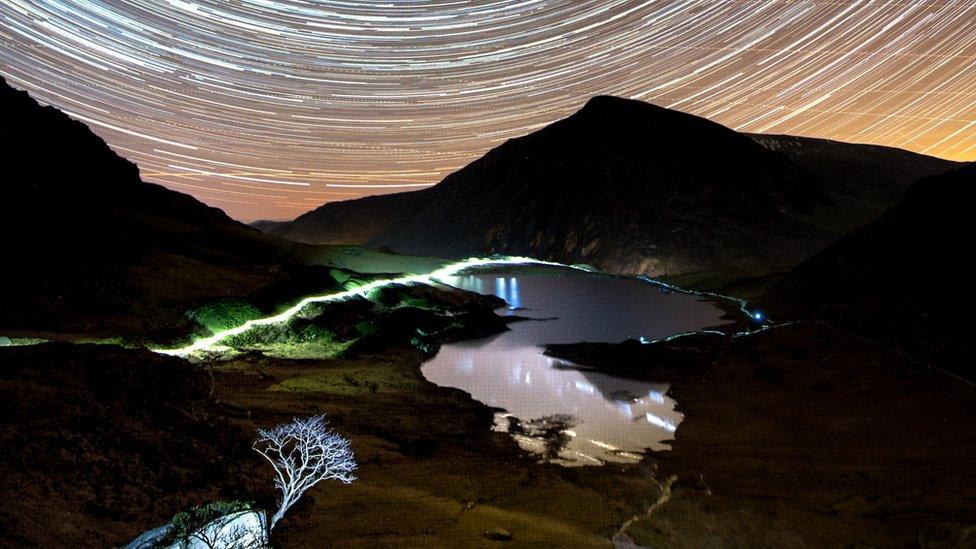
(629, 187)
(92, 240)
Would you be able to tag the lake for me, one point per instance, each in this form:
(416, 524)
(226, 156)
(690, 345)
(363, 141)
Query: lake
(566, 415)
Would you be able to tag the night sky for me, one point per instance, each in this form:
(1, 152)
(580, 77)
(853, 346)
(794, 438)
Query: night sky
(268, 108)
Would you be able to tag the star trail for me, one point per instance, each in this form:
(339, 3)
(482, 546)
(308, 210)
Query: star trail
(269, 108)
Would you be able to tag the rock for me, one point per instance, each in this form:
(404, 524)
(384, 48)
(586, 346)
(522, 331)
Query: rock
(241, 530)
(623, 541)
(499, 534)
(149, 538)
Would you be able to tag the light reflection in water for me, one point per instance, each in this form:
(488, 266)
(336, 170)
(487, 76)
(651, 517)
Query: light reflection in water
(505, 288)
(571, 416)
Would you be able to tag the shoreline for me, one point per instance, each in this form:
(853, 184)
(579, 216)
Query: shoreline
(431, 469)
(434, 470)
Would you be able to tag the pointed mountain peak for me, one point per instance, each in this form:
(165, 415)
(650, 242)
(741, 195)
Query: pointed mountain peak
(612, 105)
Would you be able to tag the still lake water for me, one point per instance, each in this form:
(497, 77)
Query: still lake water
(569, 416)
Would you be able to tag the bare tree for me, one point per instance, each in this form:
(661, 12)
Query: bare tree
(303, 453)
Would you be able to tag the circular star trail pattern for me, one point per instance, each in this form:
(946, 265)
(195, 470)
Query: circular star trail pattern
(268, 108)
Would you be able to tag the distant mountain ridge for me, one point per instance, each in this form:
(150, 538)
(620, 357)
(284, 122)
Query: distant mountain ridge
(866, 179)
(634, 188)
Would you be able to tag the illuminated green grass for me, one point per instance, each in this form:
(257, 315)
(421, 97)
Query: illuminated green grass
(219, 339)
(290, 340)
(224, 314)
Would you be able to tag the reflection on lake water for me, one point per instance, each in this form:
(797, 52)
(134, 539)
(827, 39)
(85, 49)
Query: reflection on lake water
(569, 416)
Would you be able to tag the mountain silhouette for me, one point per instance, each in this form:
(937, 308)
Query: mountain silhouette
(87, 238)
(635, 188)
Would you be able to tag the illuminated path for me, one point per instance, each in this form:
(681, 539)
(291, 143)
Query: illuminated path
(212, 343)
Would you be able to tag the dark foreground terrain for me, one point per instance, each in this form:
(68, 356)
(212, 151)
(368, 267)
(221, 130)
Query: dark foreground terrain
(805, 436)
(800, 435)
(852, 427)
(100, 454)
(102, 442)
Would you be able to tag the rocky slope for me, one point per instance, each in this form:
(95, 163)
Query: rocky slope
(632, 187)
(102, 442)
(803, 436)
(905, 279)
(863, 180)
(86, 239)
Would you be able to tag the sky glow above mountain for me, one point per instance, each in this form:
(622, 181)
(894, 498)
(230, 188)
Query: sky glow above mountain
(268, 108)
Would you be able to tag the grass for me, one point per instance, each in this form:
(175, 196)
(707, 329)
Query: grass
(348, 382)
(224, 314)
(364, 260)
(291, 340)
(20, 341)
(739, 284)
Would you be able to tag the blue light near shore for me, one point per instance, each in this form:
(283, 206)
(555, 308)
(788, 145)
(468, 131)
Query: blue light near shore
(757, 316)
